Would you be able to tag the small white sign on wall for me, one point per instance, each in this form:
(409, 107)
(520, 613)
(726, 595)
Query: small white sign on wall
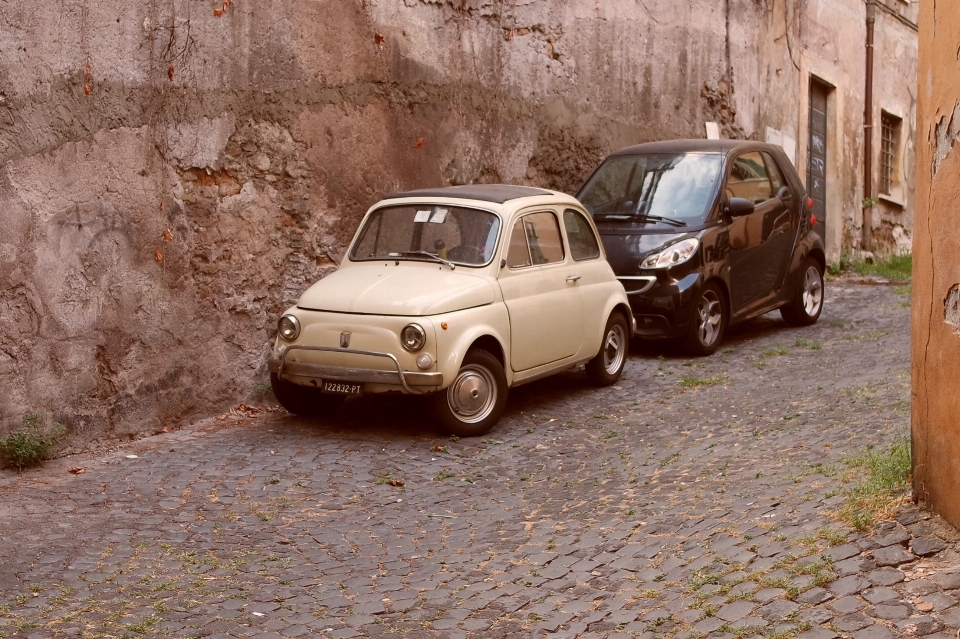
(713, 131)
(787, 143)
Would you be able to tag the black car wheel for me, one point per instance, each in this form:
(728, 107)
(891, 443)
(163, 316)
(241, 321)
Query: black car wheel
(473, 403)
(707, 322)
(303, 400)
(606, 367)
(805, 305)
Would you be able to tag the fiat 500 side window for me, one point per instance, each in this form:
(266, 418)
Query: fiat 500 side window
(583, 243)
(535, 240)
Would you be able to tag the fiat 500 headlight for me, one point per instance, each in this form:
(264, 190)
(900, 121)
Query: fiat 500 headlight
(672, 255)
(288, 327)
(412, 337)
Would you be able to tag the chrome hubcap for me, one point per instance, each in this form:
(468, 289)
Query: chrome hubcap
(614, 349)
(711, 314)
(473, 394)
(812, 291)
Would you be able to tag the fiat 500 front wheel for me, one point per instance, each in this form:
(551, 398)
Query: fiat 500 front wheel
(473, 403)
(605, 369)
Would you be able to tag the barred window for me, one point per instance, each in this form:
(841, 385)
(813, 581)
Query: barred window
(889, 141)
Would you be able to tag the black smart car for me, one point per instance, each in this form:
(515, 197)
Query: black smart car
(706, 233)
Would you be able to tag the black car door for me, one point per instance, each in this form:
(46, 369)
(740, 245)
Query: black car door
(759, 241)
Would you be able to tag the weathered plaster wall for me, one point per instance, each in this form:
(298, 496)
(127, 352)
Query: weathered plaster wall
(173, 174)
(936, 265)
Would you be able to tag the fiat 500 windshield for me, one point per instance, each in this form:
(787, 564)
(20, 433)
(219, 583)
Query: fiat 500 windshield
(664, 187)
(447, 234)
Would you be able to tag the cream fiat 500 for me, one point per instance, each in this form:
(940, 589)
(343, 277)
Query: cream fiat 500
(460, 293)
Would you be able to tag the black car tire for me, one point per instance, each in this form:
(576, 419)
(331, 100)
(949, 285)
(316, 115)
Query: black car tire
(607, 366)
(303, 400)
(806, 301)
(708, 321)
(473, 403)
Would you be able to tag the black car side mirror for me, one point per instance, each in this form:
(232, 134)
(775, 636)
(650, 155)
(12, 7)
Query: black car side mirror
(785, 196)
(738, 206)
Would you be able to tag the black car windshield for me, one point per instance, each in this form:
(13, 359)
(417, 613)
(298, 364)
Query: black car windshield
(428, 232)
(670, 186)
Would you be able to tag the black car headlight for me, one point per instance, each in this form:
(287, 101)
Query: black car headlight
(672, 255)
(289, 328)
(412, 337)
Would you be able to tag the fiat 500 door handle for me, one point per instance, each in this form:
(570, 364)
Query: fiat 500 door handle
(573, 278)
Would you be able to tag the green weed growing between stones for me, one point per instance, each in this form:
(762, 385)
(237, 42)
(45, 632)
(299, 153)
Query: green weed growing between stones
(893, 267)
(882, 487)
(31, 444)
(693, 381)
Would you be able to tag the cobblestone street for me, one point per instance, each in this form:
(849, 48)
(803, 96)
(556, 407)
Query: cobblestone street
(694, 498)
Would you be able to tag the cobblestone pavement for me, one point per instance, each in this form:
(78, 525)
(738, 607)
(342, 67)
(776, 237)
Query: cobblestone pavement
(692, 499)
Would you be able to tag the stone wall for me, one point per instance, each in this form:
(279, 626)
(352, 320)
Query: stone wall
(173, 174)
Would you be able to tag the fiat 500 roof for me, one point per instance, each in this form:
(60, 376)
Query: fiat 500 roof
(498, 193)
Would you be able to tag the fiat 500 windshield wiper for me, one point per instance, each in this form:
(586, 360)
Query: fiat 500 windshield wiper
(426, 254)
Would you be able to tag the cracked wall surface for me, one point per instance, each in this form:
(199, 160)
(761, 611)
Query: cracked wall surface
(173, 175)
(936, 267)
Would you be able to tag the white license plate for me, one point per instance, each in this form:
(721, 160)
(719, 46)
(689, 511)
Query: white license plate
(342, 388)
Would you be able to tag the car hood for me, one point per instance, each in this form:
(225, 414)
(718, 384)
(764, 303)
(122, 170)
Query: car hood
(404, 289)
(627, 245)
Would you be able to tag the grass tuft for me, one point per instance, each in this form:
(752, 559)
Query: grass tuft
(883, 486)
(693, 381)
(893, 267)
(31, 444)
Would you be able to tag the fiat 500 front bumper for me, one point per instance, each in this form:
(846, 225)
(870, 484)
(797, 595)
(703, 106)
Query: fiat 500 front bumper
(316, 374)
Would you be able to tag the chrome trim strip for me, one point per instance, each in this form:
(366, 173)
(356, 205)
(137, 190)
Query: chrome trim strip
(339, 373)
(649, 279)
(553, 371)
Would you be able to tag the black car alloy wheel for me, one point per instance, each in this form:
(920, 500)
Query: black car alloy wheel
(708, 321)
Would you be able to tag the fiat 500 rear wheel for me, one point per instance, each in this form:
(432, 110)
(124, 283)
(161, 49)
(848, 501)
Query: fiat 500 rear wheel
(807, 301)
(605, 369)
(473, 403)
(303, 400)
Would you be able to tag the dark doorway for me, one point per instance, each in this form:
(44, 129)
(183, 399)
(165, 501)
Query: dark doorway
(817, 153)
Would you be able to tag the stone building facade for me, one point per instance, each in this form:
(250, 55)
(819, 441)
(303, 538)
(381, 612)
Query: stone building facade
(936, 266)
(173, 174)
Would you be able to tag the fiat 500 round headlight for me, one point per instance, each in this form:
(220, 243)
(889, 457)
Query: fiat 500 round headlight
(672, 255)
(412, 337)
(288, 327)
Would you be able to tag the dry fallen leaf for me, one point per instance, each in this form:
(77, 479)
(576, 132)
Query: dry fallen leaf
(158, 256)
(419, 144)
(170, 71)
(218, 12)
(86, 89)
(378, 38)
(395, 482)
(167, 235)
(76, 470)
(243, 410)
